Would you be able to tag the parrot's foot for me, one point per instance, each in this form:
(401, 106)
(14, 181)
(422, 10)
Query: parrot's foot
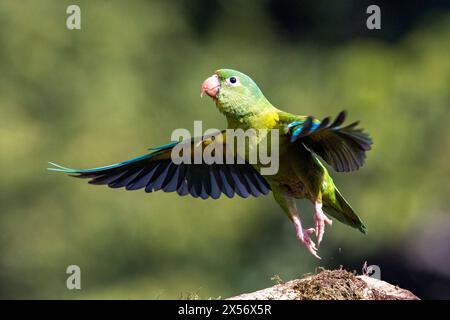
(320, 219)
(303, 236)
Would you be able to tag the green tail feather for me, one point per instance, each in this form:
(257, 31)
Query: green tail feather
(59, 168)
(341, 210)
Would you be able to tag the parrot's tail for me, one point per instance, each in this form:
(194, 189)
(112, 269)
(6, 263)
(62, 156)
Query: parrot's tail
(341, 210)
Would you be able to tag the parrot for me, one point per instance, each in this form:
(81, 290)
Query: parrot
(305, 144)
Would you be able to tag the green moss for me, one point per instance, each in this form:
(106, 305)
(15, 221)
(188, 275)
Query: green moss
(189, 296)
(277, 279)
(331, 285)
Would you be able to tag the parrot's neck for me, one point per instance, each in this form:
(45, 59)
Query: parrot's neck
(249, 114)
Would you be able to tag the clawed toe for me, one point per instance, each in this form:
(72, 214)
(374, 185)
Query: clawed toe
(304, 236)
(320, 219)
(305, 239)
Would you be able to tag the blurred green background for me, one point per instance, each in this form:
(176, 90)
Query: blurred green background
(132, 74)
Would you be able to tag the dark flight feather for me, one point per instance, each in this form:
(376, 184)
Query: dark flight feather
(156, 171)
(344, 148)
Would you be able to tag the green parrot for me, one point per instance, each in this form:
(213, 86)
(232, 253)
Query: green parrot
(302, 140)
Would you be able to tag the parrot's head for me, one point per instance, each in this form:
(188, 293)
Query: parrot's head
(233, 91)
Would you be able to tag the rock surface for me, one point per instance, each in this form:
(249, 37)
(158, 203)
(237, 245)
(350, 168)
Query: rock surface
(331, 285)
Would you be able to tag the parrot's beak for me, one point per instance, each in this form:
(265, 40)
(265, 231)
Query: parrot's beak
(210, 86)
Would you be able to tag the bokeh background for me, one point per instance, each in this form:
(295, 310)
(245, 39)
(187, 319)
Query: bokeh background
(132, 74)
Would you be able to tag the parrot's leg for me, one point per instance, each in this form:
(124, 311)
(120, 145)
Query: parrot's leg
(320, 219)
(303, 236)
(289, 206)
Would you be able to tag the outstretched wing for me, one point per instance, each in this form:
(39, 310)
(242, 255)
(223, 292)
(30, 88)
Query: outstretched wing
(156, 171)
(342, 147)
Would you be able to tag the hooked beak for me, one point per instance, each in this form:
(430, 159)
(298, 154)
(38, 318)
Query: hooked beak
(210, 86)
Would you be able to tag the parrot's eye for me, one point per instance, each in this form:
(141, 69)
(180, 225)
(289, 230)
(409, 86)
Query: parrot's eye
(233, 81)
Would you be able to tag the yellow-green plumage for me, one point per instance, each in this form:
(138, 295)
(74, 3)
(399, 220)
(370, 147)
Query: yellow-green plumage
(301, 174)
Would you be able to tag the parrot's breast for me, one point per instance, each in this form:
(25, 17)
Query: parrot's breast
(296, 189)
(292, 187)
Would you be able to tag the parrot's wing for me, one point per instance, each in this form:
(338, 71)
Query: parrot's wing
(342, 147)
(156, 171)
